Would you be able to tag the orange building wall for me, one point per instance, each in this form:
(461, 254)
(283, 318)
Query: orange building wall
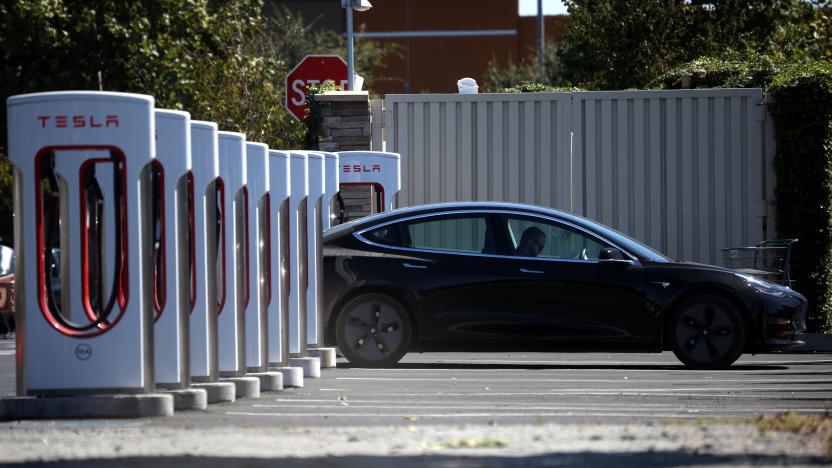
(434, 64)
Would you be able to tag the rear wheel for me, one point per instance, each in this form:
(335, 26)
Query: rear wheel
(707, 332)
(373, 330)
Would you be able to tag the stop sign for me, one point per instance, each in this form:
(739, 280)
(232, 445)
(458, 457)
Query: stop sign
(313, 69)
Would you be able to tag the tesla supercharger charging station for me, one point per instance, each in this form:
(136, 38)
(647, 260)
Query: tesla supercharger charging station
(375, 168)
(174, 278)
(316, 171)
(298, 264)
(231, 313)
(278, 307)
(329, 216)
(87, 328)
(207, 194)
(257, 185)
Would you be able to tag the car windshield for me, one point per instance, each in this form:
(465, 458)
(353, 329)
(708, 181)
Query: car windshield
(630, 244)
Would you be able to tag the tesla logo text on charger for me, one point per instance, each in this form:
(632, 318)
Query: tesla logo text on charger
(362, 168)
(77, 121)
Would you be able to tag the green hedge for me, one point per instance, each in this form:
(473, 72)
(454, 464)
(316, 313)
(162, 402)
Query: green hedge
(802, 112)
(801, 108)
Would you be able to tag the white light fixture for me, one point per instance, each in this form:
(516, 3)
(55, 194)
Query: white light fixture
(358, 5)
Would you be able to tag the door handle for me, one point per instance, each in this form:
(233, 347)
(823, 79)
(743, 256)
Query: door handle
(526, 270)
(415, 267)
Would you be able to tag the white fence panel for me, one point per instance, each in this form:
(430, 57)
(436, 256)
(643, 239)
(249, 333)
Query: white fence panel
(687, 171)
(512, 147)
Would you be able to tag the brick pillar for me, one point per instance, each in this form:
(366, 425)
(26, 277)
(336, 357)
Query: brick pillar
(346, 120)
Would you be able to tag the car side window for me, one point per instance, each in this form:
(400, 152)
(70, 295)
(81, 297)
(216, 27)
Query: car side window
(456, 233)
(533, 237)
(386, 235)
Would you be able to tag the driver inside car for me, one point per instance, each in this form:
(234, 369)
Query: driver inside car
(531, 242)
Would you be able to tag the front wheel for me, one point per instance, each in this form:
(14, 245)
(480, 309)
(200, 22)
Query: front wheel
(707, 332)
(373, 330)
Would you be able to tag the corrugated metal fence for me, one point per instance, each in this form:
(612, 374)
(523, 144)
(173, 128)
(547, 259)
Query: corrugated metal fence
(689, 171)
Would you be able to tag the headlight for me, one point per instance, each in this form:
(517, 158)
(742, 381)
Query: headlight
(765, 287)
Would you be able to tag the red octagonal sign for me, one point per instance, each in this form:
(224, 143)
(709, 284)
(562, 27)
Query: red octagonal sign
(313, 69)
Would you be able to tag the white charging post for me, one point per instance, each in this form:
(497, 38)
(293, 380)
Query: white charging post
(231, 316)
(374, 168)
(89, 336)
(279, 190)
(314, 211)
(259, 265)
(203, 326)
(298, 264)
(297, 253)
(174, 279)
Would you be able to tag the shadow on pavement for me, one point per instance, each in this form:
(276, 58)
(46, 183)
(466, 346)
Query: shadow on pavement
(521, 366)
(555, 459)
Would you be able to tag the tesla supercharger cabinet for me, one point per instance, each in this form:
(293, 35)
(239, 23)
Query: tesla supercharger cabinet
(329, 216)
(174, 279)
(231, 314)
(298, 265)
(374, 168)
(83, 329)
(209, 257)
(316, 171)
(317, 210)
(257, 185)
(278, 306)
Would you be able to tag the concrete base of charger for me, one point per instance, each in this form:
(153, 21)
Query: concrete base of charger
(218, 392)
(86, 406)
(269, 381)
(292, 376)
(246, 387)
(311, 366)
(189, 398)
(326, 355)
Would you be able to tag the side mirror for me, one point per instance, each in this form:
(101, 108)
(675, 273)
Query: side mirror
(611, 255)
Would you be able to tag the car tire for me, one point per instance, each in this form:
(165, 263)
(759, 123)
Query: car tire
(373, 330)
(707, 332)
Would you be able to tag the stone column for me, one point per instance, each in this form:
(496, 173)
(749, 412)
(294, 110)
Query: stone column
(345, 120)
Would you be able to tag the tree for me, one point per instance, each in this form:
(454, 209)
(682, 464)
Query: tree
(620, 44)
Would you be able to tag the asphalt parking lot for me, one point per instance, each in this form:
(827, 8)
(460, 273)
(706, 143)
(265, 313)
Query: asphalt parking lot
(510, 396)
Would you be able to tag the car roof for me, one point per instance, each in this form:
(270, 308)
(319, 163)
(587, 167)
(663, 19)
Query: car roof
(392, 215)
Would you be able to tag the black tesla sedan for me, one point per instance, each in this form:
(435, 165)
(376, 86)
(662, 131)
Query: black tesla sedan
(489, 276)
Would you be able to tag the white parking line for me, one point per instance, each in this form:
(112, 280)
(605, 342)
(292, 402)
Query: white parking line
(628, 393)
(519, 361)
(572, 414)
(535, 409)
(516, 380)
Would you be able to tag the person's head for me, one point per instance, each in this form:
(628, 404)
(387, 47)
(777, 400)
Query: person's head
(531, 242)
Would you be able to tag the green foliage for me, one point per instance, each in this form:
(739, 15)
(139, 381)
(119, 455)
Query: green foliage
(619, 44)
(802, 112)
(532, 87)
(732, 70)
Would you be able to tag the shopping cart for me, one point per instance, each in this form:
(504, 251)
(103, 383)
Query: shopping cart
(768, 260)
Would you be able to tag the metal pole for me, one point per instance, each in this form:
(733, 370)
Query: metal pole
(350, 64)
(540, 38)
